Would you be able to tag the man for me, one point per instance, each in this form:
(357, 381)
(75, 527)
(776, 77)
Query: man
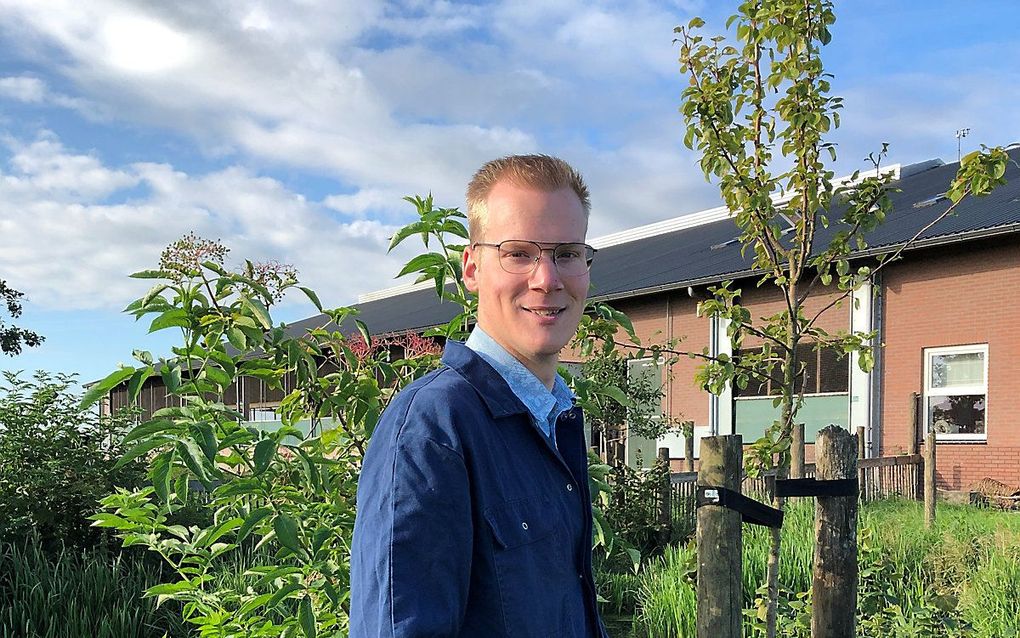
(474, 516)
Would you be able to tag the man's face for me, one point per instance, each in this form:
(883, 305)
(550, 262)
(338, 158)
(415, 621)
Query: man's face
(534, 315)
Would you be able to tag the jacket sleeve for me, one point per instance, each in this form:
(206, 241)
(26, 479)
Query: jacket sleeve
(411, 555)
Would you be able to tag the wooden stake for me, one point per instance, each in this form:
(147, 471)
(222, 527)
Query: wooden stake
(834, 583)
(665, 502)
(689, 447)
(797, 451)
(720, 594)
(912, 426)
(930, 492)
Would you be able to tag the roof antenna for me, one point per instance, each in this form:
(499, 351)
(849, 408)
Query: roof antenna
(960, 134)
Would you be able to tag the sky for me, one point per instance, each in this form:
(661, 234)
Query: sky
(290, 130)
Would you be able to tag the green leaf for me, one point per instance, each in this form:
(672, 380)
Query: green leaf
(171, 374)
(102, 388)
(219, 531)
(253, 519)
(422, 263)
(196, 461)
(176, 317)
(236, 338)
(363, 329)
(152, 274)
(616, 394)
(147, 429)
(405, 232)
(159, 474)
(264, 452)
(104, 519)
(217, 376)
(282, 593)
(140, 449)
(306, 617)
(137, 381)
(287, 532)
(260, 312)
(311, 297)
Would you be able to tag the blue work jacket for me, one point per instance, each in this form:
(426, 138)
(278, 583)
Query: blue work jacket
(470, 522)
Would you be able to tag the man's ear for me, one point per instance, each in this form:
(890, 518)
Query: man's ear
(469, 266)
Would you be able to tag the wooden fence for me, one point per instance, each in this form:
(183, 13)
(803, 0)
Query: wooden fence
(900, 476)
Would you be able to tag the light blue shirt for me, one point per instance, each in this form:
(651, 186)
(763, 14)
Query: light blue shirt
(545, 406)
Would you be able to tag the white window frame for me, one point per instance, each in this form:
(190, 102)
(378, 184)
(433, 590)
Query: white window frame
(929, 392)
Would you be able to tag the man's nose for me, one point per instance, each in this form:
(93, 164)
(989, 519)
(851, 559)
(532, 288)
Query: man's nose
(546, 276)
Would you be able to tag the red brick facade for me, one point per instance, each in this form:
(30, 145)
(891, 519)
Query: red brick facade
(933, 298)
(956, 296)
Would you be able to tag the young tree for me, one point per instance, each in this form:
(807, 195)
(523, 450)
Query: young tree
(12, 338)
(758, 111)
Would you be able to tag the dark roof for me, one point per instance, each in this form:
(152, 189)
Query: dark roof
(708, 253)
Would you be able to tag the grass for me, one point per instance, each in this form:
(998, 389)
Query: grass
(79, 593)
(960, 578)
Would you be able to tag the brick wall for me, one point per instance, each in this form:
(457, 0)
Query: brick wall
(947, 297)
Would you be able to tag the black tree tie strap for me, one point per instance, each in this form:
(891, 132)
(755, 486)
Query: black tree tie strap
(814, 487)
(750, 510)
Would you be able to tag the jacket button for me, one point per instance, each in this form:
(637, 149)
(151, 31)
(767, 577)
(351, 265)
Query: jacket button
(524, 525)
(570, 487)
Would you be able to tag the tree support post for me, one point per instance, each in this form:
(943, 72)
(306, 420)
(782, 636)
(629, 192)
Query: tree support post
(797, 452)
(912, 439)
(930, 492)
(834, 582)
(862, 452)
(665, 500)
(720, 594)
(689, 446)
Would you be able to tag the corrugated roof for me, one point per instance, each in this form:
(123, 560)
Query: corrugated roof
(706, 253)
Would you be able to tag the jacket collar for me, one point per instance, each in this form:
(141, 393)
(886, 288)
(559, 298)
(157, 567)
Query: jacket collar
(489, 384)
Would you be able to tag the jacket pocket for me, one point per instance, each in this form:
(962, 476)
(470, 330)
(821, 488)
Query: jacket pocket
(531, 557)
(519, 523)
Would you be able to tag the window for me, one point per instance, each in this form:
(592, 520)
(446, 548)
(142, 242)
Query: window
(644, 377)
(956, 392)
(263, 413)
(824, 372)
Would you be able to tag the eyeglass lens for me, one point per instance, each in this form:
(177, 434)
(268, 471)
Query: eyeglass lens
(520, 257)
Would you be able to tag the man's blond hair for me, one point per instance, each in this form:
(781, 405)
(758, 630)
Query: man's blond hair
(541, 172)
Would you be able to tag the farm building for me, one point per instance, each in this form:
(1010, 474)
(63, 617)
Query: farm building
(950, 342)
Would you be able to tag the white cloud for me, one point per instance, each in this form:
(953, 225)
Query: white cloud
(67, 248)
(23, 88)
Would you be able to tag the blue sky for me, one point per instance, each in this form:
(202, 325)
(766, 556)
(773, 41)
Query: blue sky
(291, 129)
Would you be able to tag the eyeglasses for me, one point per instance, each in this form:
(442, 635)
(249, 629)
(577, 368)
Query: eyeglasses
(521, 257)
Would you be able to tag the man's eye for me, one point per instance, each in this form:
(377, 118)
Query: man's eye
(518, 254)
(568, 255)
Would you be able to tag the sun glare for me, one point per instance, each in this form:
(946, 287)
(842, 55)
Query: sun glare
(143, 46)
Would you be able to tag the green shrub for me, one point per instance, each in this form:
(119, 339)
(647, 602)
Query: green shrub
(56, 461)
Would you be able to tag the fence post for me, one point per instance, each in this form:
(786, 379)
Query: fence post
(834, 581)
(797, 452)
(720, 594)
(912, 440)
(930, 493)
(665, 500)
(688, 446)
(862, 452)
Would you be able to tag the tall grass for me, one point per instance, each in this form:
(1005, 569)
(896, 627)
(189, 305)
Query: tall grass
(78, 593)
(960, 578)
